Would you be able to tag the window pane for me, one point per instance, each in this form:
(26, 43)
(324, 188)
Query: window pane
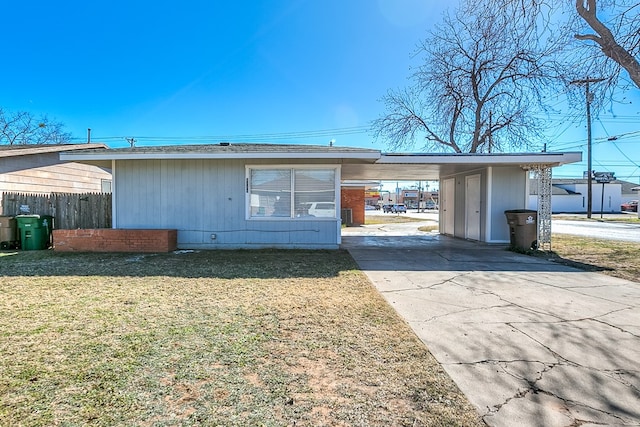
(315, 192)
(271, 192)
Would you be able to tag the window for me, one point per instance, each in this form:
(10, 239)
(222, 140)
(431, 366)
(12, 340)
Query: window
(291, 192)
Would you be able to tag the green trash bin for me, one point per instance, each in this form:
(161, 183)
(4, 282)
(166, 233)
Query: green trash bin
(34, 231)
(523, 228)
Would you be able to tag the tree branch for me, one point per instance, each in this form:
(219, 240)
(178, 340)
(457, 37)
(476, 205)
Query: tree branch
(606, 40)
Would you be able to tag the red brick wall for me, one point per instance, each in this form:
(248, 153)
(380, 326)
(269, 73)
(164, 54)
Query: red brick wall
(353, 198)
(115, 240)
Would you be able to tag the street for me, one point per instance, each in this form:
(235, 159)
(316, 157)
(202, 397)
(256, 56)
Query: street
(598, 230)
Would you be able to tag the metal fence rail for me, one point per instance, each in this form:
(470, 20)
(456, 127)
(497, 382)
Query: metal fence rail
(70, 211)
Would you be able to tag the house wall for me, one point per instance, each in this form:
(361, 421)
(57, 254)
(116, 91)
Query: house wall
(205, 200)
(562, 203)
(110, 240)
(577, 203)
(44, 173)
(508, 191)
(502, 188)
(460, 203)
(353, 198)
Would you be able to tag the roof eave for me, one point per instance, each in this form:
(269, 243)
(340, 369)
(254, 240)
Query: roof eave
(221, 156)
(554, 159)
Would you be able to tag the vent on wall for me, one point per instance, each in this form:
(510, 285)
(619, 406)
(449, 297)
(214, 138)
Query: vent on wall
(347, 216)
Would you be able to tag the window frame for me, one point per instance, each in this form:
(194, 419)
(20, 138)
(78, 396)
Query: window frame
(292, 168)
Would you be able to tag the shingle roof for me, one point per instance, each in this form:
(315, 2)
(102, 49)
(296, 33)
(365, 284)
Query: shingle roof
(237, 148)
(27, 149)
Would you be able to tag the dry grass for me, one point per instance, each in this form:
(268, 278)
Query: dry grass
(615, 258)
(390, 219)
(237, 338)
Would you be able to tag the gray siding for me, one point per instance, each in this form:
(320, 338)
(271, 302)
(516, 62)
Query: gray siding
(508, 192)
(460, 203)
(201, 198)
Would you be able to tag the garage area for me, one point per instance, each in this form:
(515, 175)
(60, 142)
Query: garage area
(475, 189)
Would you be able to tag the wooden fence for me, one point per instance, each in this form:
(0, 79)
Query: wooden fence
(70, 211)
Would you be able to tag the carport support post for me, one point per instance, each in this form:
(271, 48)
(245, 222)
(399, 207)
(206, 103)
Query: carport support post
(542, 174)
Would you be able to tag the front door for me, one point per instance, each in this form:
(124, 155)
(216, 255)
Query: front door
(472, 207)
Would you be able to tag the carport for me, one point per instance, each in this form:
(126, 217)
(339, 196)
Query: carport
(475, 189)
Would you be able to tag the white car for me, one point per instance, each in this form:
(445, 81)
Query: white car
(322, 209)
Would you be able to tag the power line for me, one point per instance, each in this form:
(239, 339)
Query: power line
(322, 133)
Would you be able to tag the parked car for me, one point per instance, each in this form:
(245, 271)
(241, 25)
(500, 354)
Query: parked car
(399, 208)
(387, 208)
(321, 209)
(631, 206)
(430, 204)
(369, 208)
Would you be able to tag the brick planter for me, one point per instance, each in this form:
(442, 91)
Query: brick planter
(115, 240)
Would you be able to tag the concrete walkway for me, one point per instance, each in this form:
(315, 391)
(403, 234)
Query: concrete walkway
(529, 342)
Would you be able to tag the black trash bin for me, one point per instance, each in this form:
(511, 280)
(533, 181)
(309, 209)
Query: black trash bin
(523, 228)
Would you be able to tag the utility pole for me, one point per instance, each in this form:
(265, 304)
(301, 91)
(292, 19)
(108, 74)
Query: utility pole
(589, 98)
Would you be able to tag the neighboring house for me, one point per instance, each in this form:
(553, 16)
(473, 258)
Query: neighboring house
(260, 195)
(629, 191)
(570, 195)
(38, 169)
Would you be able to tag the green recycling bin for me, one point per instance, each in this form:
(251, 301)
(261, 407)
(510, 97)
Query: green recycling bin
(523, 228)
(34, 231)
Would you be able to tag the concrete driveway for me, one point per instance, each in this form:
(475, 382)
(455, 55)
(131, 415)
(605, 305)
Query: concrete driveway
(529, 342)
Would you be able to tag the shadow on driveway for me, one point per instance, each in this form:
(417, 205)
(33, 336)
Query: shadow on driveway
(529, 342)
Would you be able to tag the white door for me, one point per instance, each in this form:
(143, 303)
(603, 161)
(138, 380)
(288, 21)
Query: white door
(472, 207)
(446, 206)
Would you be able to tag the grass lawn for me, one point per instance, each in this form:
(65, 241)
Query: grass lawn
(232, 338)
(612, 257)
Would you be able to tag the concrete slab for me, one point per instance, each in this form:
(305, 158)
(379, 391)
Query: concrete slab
(531, 343)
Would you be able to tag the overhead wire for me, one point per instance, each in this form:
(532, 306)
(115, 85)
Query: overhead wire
(249, 137)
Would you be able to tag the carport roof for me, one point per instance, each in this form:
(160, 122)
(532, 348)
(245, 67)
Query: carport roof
(433, 166)
(357, 163)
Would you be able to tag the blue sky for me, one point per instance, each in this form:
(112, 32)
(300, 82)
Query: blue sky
(280, 71)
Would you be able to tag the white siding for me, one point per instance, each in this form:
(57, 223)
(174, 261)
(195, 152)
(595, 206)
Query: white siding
(577, 203)
(201, 198)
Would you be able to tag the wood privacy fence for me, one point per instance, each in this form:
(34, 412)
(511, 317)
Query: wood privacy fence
(70, 211)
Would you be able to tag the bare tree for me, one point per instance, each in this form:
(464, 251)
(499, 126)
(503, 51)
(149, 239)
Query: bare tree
(24, 128)
(482, 76)
(619, 38)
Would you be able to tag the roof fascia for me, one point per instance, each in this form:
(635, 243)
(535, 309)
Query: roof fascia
(482, 159)
(196, 156)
